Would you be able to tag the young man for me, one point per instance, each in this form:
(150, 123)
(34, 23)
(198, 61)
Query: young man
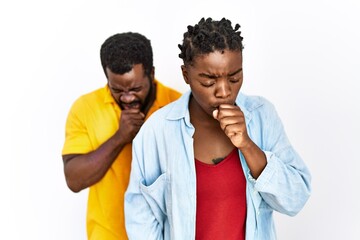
(216, 163)
(101, 126)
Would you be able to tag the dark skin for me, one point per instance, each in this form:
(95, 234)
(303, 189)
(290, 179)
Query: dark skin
(215, 80)
(135, 93)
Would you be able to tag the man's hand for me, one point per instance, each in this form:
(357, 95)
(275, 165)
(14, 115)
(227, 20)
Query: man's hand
(130, 122)
(84, 170)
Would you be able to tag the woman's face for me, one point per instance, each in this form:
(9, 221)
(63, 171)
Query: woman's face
(214, 79)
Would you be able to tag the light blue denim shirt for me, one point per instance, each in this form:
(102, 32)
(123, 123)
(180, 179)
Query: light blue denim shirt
(160, 202)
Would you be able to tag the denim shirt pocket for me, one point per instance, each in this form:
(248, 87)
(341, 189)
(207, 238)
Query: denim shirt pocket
(155, 195)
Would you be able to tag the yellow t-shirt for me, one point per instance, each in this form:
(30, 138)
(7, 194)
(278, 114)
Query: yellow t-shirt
(92, 120)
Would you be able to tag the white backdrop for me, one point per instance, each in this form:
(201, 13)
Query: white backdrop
(301, 55)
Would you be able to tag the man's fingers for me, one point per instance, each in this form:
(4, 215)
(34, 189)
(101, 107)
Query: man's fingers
(133, 111)
(133, 114)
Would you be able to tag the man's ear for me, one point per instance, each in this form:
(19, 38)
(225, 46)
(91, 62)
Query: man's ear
(152, 73)
(185, 74)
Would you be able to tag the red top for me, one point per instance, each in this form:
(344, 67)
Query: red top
(221, 199)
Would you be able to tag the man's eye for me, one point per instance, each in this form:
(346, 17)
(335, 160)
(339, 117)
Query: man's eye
(136, 89)
(116, 91)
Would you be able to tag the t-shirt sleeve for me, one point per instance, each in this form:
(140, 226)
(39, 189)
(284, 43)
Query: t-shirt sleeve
(77, 139)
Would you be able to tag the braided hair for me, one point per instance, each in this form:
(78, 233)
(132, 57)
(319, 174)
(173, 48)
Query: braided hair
(208, 36)
(122, 51)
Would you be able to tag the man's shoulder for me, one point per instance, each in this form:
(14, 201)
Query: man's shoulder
(94, 94)
(166, 93)
(90, 99)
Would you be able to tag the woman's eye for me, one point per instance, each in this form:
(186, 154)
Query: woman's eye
(207, 84)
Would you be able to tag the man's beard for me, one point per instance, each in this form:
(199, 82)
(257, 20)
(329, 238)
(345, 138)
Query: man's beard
(145, 106)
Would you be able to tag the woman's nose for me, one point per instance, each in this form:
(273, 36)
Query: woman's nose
(223, 89)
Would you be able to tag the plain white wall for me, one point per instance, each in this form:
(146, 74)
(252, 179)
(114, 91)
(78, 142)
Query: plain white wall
(301, 55)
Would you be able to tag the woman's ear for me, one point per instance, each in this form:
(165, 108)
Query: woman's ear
(185, 74)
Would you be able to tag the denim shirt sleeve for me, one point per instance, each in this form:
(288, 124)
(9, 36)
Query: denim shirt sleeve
(284, 184)
(144, 201)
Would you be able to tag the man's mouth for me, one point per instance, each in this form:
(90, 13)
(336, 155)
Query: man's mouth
(132, 105)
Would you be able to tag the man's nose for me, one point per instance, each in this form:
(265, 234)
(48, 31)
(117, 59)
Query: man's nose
(127, 97)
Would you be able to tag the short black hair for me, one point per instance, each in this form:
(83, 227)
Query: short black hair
(122, 51)
(208, 36)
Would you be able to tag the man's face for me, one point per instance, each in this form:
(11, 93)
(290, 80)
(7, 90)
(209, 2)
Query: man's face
(131, 89)
(215, 79)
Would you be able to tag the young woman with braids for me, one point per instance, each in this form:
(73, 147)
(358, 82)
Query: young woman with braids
(216, 163)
